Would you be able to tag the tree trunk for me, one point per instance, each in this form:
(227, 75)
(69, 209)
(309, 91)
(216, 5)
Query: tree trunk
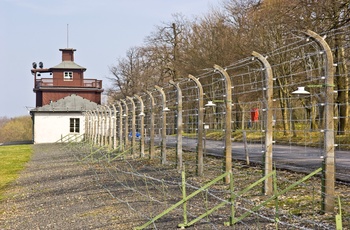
(284, 111)
(342, 85)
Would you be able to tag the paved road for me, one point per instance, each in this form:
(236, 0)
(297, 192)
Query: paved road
(296, 158)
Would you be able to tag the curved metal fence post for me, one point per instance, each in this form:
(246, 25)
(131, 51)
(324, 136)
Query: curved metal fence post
(199, 126)
(151, 140)
(269, 121)
(133, 126)
(329, 173)
(228, 129)
(164, 111)
(178, 126)
(142, 126)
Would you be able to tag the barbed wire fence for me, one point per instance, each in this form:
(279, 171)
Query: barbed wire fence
(285, 110)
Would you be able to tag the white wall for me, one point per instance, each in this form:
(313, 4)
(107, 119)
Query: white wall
(50, 127)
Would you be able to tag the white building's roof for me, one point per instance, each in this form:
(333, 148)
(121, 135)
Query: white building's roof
(72, 103)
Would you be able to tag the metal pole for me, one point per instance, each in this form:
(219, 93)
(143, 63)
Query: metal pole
(151, 140)
(178, 126)
(133, 126)
(142, 126)
(228, 108)
(163, 149)
(329, 173)
(199, 126)
(269, 120)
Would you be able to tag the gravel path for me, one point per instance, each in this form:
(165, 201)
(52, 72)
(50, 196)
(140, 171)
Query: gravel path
(56, 192)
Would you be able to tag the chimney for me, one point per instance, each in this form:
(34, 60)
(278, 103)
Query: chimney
(68, 54)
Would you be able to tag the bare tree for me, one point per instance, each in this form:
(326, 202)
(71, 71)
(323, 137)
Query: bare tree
(164, 48)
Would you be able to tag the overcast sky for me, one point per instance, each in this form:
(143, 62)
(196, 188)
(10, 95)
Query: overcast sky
(100, 30)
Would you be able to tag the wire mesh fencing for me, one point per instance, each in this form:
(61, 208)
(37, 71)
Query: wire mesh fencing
(285, 110)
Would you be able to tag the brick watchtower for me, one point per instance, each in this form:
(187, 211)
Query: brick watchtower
(67, 79)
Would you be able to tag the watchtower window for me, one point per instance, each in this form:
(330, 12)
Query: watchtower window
(68, 76)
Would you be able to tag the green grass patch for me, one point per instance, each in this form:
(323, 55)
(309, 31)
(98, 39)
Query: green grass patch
(12, 161)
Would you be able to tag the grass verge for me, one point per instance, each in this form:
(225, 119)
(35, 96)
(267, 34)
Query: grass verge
(12, 161)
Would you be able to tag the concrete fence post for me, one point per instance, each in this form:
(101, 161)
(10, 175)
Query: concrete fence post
(199, 126)
(228, 129)
(268, 114)
(133, 125)
(114, 127)
(164, 111)
(142, 126)
(178, 126)
(329, 172)
(151, 140)
(126, 128)
(120, 126)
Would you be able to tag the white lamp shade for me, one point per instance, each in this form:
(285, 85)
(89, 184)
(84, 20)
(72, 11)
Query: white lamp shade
(210, 104)
(301, 91)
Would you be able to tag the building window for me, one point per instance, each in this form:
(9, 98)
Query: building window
(68, 76)
(74, 125)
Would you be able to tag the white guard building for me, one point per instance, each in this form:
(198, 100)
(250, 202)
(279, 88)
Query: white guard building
(62, 120)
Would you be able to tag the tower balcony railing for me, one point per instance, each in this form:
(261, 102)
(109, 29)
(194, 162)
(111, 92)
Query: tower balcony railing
(84, 83)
